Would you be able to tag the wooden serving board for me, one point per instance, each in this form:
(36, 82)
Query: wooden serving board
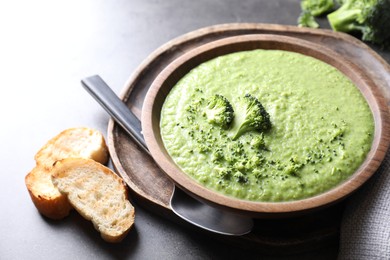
(152, 189)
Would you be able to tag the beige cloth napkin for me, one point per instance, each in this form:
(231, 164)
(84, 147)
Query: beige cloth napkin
(365, 227)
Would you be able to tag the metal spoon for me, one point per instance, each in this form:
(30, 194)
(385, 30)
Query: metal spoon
(183, 205)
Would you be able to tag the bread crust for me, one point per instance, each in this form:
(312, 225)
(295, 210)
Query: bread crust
(48, 200)
(73, 142)
(98, 194)
(78, 142)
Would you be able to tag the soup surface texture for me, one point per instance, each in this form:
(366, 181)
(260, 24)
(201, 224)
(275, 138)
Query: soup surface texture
(321, 126)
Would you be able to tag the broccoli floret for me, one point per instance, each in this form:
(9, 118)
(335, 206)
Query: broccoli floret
(258, 142)
(223, 172)
(371, 18)
(306, 19)
(217, 155)
(219, 111)
(240, 177)
(312, 9)
(252, 116)
(235, 150)
(317, 7)
(254, 162)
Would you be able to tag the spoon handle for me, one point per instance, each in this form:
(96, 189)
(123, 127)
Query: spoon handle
(103, 94)
(186, 207)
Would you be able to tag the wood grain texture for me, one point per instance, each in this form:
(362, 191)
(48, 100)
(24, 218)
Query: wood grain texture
(152, 189)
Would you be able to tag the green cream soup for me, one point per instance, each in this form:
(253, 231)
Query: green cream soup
(322, 127)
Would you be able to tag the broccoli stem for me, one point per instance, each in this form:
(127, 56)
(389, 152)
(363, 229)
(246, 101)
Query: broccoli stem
(344, 20)
(239, 130)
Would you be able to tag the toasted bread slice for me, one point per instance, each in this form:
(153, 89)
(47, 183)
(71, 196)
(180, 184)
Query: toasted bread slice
(46, 198)
(97, 193)
(79, 142)
(74, 142)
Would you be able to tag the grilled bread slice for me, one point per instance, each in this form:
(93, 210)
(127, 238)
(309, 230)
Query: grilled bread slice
(74, 142)
(97, 193)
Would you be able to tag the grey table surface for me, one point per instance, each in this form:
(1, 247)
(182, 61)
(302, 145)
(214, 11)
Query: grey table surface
(46, 47)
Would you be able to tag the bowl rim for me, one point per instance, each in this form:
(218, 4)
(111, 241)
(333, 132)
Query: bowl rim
(151, 116)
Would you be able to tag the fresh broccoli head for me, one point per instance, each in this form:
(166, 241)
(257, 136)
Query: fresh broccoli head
(306, 19)
(312, 9)
(252, 116)
(219, 111)
(317, 7)
(371, 18)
